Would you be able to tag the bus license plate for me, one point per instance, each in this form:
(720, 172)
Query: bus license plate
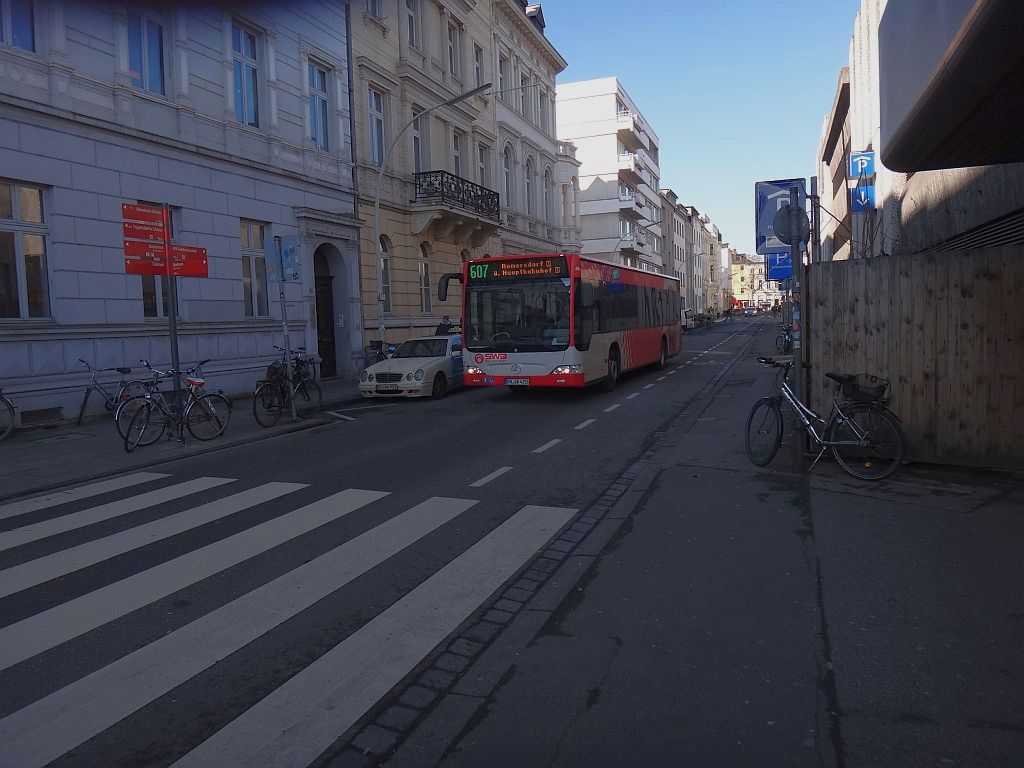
(386, 388)
(517, 382)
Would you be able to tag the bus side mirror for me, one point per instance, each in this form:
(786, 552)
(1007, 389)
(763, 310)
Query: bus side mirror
(588, 297)
(442, 285)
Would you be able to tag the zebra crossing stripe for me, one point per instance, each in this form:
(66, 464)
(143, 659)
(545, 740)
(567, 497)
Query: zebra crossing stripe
(43, 569)
(46, 729)
(65, 523)
(74, 494)
(52, 627)
(300, 719)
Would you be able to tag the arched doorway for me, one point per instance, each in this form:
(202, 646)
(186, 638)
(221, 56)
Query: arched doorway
(325, 342)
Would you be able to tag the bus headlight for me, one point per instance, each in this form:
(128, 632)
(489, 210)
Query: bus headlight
(567, 369)
(471, 370)
(370, 377)
(362, 376)
(419, 375)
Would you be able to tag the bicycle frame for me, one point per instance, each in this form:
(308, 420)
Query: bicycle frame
(806, 414)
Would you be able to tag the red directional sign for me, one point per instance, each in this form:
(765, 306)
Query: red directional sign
(144, 230)
(145, 258)
(148, 213)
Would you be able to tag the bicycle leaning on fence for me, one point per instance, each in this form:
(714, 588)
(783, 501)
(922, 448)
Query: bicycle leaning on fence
(6, 415)
(204, 414)
(125, 389)
(275, 393)
(865, 436)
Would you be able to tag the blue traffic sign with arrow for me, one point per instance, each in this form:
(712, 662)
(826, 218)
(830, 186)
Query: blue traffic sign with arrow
(862, 199)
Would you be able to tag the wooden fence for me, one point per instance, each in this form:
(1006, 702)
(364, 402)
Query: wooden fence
(946, 329)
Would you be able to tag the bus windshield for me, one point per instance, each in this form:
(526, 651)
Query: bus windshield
(518, 316)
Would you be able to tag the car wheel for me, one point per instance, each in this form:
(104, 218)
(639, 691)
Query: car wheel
(440, 388)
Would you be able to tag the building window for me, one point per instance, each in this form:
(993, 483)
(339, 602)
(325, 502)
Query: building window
(373, 7)
(478, 65)
(454, 48)
(506, 168)
(376, 125)
(417, 142)
(412, 22)
(457, 153)
(530, 186)
(548, 196)
(24, 285)
(17, 24)
(318, 106)
(254, 268)
(424, 277)
(146, 53)
(246, 64)
(385, 271)
(484, 165)
(542, 119)
(526, 94)
(503, 81)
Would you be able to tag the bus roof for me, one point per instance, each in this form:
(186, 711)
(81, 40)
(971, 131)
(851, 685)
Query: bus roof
(570, 255)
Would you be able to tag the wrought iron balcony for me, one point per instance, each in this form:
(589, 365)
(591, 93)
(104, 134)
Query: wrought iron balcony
(456, 192)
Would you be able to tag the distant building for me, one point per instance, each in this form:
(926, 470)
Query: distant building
(619, 207)
(237, 117)
(833, 174)
(750, 285)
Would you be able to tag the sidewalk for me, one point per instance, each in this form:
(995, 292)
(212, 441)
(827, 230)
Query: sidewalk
(42, 458)
(749, 616)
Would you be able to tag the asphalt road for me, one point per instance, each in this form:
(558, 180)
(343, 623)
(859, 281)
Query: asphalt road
(191, 615)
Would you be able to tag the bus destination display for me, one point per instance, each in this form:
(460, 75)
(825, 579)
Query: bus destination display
(549, 266)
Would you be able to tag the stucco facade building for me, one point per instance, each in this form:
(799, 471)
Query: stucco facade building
(238, 119)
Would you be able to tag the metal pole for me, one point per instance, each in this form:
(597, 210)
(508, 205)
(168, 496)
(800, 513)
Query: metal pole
(798, 278)
(172, 310)
(284, 326)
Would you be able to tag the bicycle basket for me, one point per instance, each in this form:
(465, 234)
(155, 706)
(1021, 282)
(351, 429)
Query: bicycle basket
(865, 388)
(275, 371)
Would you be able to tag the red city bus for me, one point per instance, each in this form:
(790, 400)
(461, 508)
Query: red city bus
(562, 320)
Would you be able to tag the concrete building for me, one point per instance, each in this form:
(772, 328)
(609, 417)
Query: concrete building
(749, 283)
(530, 180)
(833, 174)
(238, 119)
(438, 200)
(698, 243)
(619, 207)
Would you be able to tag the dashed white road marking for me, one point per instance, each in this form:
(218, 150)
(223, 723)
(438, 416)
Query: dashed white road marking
(672, 373)
(648, 386)
(549, 444)
(637, 394)
(585, 424)
(661, 378)
(341, 415)
(611, 408)
(487, 478)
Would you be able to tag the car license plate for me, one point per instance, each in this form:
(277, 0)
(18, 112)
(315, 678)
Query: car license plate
(386, 388)
(517, 382)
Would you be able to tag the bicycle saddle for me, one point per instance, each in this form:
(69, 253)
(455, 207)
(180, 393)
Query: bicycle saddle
(123, 370)
(842, 378)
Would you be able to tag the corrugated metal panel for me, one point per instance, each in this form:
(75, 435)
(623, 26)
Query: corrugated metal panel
(1006, 230)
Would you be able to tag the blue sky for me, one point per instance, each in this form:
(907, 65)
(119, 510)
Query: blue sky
(713, 79)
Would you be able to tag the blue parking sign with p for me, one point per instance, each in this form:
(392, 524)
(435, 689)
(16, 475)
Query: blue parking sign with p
(862, 164)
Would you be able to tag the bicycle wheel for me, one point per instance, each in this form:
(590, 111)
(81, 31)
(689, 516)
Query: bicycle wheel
(308, 398)
(266, 404)
(764, 431)
(139, 430)
(125, 411)
(6, 417)
(780, 342)
(872, 441)
(207, 416)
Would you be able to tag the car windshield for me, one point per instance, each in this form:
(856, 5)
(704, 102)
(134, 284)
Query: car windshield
(422, 348)
(522, 315)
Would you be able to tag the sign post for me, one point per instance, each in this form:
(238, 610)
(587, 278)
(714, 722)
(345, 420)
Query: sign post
(795, 214)
(151, 252)
(282, 277)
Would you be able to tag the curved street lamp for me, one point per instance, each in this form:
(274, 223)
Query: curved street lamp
(376, 199)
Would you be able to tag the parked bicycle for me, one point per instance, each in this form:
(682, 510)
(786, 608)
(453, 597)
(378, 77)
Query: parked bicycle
(784, 341)
(204, 414)
(117, 394)
(6, 415)
(150, 387)
(865, 436)
(275, 393)
(301, 361)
